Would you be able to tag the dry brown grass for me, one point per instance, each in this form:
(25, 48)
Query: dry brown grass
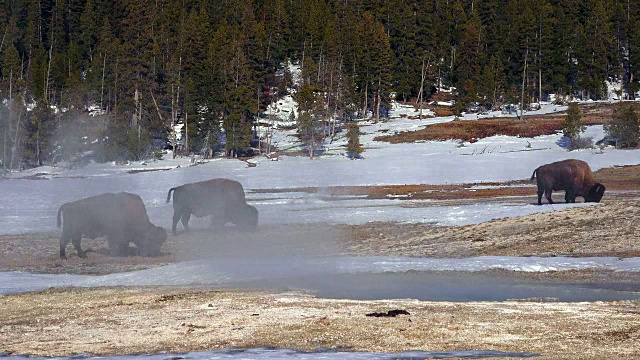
(473, 130)
(622, 178)
(116, 321)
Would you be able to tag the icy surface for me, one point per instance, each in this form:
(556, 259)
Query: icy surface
(273, 354)
(319, 273)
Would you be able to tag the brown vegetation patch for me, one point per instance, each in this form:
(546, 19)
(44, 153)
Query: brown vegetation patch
(442, 111)
(473, 130)
(619, 177)
(622, 178)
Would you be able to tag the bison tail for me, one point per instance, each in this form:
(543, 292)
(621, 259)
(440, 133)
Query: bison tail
(169, 194)
(59, 214)
(533, 176)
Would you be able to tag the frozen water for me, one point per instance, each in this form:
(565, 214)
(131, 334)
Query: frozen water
(274, 353)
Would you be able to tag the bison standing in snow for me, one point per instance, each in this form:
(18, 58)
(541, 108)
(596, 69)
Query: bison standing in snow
(573, 176)
(121, 217)
(222, 199)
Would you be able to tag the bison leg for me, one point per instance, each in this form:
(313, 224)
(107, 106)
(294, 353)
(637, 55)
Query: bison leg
(76, 244)
(118, 243)
(185, 220)
(64, 240)
(119, 250)
(569, 197)
(540, 192)
(176, 218)
(547, 194)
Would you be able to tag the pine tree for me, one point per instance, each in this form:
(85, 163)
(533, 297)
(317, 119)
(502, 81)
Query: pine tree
(354, 149)
(572, 125)
(596, 53)
(624, 126)
(470, 55)
(309, 113)
(373, 68)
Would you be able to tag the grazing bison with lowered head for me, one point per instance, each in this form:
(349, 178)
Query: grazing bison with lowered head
(222, 199)
(121, 217)
(572, 176)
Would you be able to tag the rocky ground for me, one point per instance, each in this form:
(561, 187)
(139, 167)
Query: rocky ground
(132, 320)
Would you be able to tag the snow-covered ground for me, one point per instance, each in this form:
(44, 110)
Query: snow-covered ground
(30, 205)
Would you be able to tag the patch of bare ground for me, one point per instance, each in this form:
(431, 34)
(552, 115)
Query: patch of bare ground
(111, 321)
(608, 229)
(622, 178)
(472, 130)
(39, 253)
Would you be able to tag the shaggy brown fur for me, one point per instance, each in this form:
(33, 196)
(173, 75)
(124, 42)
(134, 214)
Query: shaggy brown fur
(223, 199)
(573, 176)
(121, 217)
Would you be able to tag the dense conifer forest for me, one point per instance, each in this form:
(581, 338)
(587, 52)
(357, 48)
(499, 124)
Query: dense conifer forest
(215, 65)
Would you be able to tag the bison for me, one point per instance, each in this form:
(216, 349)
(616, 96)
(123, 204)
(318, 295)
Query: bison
(573, 176)
(223, 199)
(121, 217)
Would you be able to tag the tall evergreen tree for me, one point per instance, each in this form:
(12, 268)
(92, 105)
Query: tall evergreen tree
(624, 126)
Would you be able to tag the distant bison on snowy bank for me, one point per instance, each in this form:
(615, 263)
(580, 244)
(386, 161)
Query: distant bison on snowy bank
(121, 217)
(222, 199)
(573, 176)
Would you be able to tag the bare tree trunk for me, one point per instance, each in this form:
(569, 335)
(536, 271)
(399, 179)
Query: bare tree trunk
(46, 82)
(378, 101)
(115, 93)
(157, 107)
(173, 121)
(136, 101)
(186, 132)
(104, 65)
(15, 142)
(420, 92)
(4, 150)
(539, 85)
(38, 162)
(524, 76)
(3, 36)
(365, 105)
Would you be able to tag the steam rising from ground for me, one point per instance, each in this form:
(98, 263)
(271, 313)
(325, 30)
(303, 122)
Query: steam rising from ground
(269, 243)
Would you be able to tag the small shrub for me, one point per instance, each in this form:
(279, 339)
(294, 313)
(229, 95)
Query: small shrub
(354, 149)
(581, 143)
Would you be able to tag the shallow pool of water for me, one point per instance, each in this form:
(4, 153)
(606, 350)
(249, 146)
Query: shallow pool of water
(364, 278)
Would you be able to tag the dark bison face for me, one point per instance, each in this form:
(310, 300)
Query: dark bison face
(249, 219)
(595, 193)
(153, 243)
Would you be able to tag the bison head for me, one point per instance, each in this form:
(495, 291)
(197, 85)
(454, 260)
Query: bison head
(595, 193)
(156, 236)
